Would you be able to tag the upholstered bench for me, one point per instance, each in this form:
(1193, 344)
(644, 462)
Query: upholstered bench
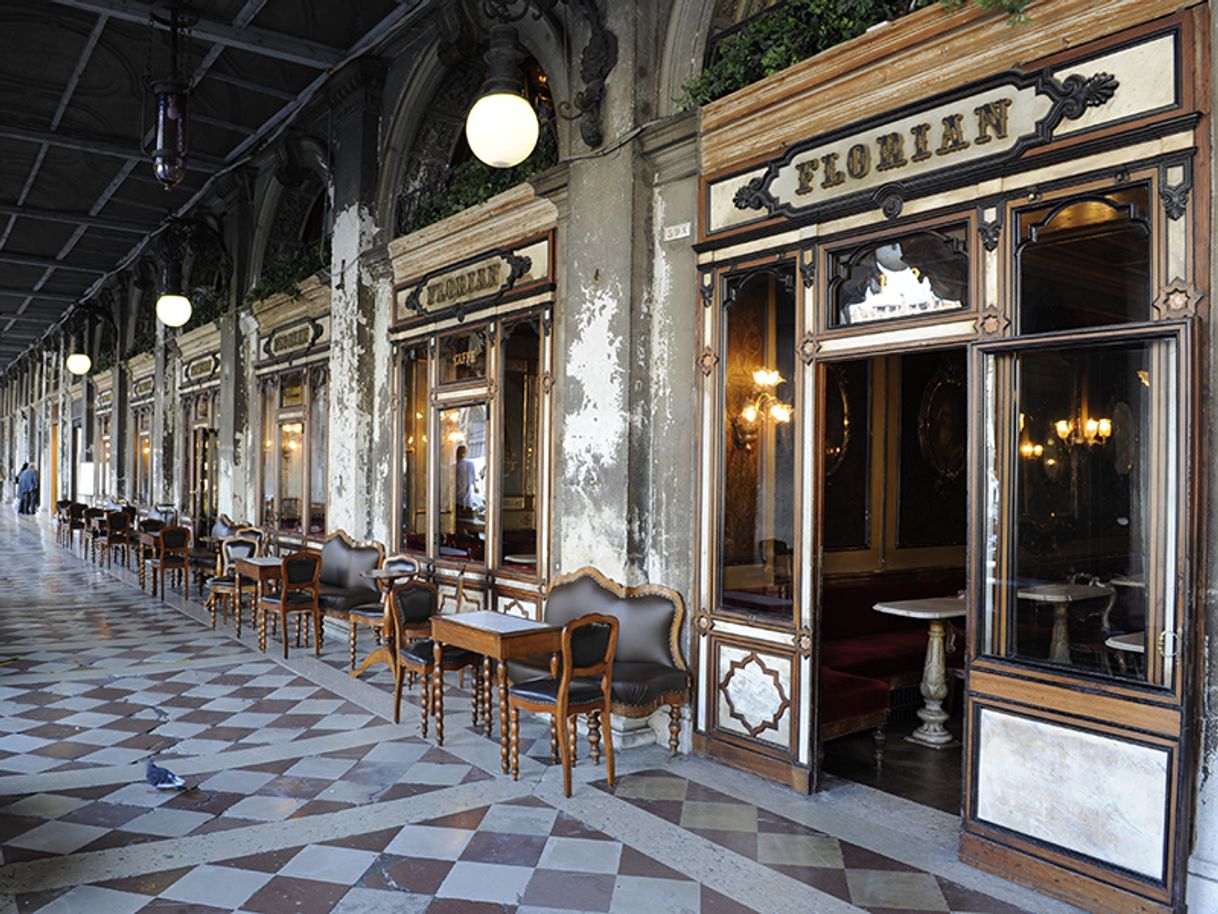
(342, 585)
(851, 703)
(648, 669)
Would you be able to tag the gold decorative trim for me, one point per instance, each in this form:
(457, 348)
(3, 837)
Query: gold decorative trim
(357, 544)
(624, 593)
(707, 361)
(804, 641)
(807, 348)
(1177, 301)
(992, 322)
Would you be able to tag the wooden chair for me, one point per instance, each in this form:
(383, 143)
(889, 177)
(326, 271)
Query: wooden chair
(418, 658)
(76, 524)
(297, 594)
(90, 534)
(143, 552)
(373, 614)
(173, 554)
(117, 536)
(588, 644)
(227, 586)
(61, 520)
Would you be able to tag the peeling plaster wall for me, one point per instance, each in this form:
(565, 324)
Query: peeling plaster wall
(352, 364)
(247, 434)
(592, 355)
(379, 458)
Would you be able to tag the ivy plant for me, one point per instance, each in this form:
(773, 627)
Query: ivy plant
(473, 182)
(285, 274)
(796, 30)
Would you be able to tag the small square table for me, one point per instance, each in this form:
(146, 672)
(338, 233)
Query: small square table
(497, 635)
(259, 568)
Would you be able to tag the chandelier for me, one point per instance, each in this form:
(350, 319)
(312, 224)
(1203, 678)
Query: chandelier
(170, 90)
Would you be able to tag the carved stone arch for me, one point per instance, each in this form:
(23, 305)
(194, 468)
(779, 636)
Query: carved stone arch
(690, 26)
(296, 176)
(428, 117)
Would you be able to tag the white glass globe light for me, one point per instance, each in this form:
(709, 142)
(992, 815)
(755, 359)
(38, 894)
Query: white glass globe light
(502, 129)
(173, 310)
(79, 363)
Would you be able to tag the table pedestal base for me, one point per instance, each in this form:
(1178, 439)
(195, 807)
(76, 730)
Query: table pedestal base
(932, 733)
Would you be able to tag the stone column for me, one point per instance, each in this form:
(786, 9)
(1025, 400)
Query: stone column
(355, 97)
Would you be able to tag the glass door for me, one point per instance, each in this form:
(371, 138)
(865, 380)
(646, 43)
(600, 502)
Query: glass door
(1076, 758)
(204, 442)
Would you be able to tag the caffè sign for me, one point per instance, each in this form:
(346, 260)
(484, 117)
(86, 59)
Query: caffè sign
(142, 387)
(884, 163)
(298, 338)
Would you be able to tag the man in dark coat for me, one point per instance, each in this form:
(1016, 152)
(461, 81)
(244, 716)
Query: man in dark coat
(27, 489)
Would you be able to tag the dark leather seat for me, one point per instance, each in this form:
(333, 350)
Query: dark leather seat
(545, 690)
(648, 670)
(342, 586)
(422, 652)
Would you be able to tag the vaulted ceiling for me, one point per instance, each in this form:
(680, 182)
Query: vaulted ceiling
(77, 194)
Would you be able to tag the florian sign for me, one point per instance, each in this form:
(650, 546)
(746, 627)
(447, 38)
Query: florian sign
(296, 339)
(982, 128)
(142, 387)
(201, 369)
(474, 282)
(965, 136)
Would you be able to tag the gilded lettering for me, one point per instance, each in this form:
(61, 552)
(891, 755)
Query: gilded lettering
(992, 116)
(953, 135)
(892, 151)
(806, 171)
(833, 177)
(858, 161)
(921, 135)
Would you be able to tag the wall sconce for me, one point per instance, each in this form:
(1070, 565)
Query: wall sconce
(764, 404)
(1089, 431)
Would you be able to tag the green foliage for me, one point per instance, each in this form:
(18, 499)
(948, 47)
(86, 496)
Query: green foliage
(473, 182)
(286, 273)
(796, 30)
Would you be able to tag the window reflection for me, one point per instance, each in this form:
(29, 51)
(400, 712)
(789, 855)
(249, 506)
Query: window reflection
(919, 273)
(414, 458)
(462, 356)
(518, 489)
(463, 483)
(758, 441)
(143, 457)
(318, 424)
(1085, 263)
(1086, 483)
(268, 466)
(291, 475)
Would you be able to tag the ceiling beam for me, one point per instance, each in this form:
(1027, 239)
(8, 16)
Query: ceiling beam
(27, 318)
(45, 296)
(102, 145)
(251, 38)
(34, 260)
(55, 215)
(241, 83)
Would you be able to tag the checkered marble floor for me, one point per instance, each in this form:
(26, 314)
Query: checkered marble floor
(304, 797)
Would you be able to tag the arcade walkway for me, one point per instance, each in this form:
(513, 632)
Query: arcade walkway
(306, 798)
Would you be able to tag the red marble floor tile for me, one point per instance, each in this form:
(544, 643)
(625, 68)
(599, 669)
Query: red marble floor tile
(265, 862)
(288, 895)
(635, 863)
(470, 819)
(715, 903)
(858, 858)
(513, 850)
(461, 906)
(409, 874)
(150, 884)
(371, 841)
(563, 890)
(106, 815)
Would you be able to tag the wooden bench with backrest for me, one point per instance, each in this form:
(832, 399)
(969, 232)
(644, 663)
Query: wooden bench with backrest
(648, 668)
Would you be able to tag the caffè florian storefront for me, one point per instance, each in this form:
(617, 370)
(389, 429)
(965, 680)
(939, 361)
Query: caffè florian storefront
(948, 356)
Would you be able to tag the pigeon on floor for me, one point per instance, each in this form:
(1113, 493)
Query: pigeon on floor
(163, 778)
